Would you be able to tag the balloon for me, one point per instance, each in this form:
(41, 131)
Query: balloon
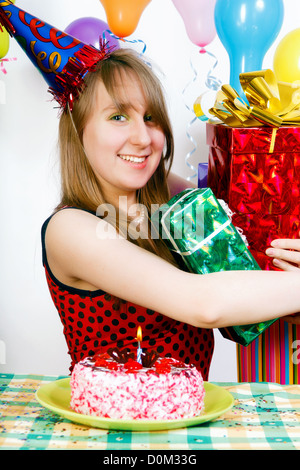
(4, 43)
(198, 17)
(4, 40)
(247, 29)
(90, 30)
(287, 58)
(123, 15)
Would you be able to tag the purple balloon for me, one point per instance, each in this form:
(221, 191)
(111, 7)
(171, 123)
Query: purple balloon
(89, 30)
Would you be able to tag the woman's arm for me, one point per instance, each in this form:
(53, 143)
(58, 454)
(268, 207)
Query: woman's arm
(78, 251)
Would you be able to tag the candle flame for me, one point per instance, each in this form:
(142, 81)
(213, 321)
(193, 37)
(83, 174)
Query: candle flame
(139, 335)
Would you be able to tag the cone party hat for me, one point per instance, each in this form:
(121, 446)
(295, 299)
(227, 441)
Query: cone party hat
(62, 59)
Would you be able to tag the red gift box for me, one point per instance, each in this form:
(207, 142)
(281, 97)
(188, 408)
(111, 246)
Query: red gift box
(256, 171)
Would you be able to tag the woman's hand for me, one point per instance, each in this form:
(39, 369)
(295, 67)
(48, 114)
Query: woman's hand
(285, 253)
(286, 256)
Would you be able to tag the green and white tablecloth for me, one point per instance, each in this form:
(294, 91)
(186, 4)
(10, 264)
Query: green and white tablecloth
(264, 416)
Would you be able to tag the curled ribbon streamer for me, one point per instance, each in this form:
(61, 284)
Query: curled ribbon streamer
(270, 103)
(189, 155)
(189, 136)
(2, 68)
(212, 82)
(132, 41)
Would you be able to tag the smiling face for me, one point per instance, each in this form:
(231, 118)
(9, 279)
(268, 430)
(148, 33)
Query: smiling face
(111, 143)
(122, 141)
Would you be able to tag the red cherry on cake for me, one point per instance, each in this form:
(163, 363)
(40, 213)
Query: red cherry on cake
(132, 366)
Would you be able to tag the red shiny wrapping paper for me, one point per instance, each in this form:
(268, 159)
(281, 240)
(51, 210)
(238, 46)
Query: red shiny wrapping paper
(261, 185)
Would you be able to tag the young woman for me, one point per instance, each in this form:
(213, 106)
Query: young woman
(116, 149)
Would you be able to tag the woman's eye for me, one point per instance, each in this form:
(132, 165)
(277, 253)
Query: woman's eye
(118, 117)
(148, 118)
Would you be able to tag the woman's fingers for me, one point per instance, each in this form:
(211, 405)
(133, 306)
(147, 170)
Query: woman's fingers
(286, 254)
(286, 243)
(284, 265)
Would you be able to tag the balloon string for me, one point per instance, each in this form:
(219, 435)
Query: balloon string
(212, 82)
(189, 155)
(194, 143)
(132, 41)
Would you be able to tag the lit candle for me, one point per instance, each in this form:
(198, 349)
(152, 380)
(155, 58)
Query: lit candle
(139, 337)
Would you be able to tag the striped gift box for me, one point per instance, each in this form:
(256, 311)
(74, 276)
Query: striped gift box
(273, 357)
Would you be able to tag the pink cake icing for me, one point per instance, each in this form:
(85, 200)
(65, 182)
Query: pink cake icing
(116, 386)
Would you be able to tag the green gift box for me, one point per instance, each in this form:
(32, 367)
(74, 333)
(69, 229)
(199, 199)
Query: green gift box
(197, 226)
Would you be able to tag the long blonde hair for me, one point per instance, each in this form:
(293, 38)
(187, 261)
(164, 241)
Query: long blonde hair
(80, 186)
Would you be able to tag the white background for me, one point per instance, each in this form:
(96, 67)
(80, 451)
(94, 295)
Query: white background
(31, 338)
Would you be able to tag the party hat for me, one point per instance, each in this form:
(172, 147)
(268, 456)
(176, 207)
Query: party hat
(62, 59)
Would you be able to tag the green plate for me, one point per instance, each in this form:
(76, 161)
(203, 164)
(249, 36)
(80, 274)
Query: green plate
(56, 395)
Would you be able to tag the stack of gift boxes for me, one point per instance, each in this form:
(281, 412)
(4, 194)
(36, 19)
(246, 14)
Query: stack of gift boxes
(254, 165)
(254, 159)
(248, 195)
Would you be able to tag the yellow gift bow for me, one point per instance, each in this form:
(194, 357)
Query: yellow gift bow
(271, 103)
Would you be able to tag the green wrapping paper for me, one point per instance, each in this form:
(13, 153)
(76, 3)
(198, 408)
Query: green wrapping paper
(195, 225)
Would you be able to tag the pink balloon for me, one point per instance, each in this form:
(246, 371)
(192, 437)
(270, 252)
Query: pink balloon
(199, 20)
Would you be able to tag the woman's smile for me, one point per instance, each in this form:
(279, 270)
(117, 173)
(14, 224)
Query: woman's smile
(136, 162)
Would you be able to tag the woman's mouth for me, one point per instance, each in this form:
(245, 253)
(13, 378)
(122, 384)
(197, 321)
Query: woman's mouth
(138, 163)
(130, 158)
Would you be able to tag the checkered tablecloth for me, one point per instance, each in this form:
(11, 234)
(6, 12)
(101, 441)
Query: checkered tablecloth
(264, 416)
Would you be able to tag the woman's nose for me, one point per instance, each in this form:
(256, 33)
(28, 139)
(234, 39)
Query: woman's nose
(140, 134)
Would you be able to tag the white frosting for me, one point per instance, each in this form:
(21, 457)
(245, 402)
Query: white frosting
(136, 395)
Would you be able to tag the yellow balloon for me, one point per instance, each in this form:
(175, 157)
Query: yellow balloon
(286, 61)
(4, 42)
(123, 16)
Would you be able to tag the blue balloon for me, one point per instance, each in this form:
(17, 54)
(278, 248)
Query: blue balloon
(247, 29)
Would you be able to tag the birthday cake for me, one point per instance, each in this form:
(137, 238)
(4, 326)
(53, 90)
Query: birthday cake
(114, 385)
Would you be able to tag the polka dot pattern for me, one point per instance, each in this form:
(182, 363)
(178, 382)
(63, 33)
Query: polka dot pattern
(93, 323)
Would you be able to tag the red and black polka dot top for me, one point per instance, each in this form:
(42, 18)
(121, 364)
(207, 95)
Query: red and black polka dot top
(95, 321)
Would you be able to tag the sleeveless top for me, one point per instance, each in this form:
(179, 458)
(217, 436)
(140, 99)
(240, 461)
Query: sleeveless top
(94, 321)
